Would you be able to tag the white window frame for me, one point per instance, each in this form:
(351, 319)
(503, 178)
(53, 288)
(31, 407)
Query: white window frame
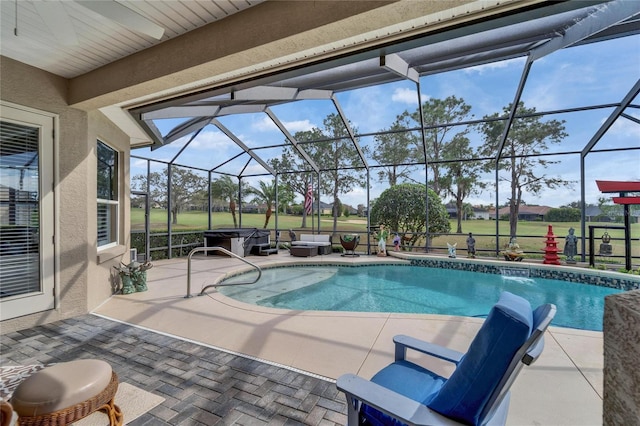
(111, 204)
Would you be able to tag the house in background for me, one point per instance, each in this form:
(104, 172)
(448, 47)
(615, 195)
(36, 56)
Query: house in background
(594, 214)
(479, 212)
(526, 212)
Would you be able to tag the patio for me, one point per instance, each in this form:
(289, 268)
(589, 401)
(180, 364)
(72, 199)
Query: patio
(217, 360)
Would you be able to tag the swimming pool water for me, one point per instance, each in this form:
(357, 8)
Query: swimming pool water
(415, 289)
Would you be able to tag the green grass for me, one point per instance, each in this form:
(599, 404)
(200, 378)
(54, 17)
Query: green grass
(531, 234)
(198, 220)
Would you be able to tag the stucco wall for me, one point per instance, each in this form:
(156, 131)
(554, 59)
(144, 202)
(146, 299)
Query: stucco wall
(621, 353)
(75, 190)
(102, 276)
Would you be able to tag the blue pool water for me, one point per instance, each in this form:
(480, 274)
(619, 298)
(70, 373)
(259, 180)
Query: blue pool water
(415, 289)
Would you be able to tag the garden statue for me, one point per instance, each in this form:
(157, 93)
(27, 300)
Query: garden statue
(382, 235)
(513, 251)
(571, 246)
(452, 250)
(471, 246)
(396, 242)
(605, 246)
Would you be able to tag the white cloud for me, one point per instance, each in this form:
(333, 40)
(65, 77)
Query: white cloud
(407, 96)
(212, 139)
(264, 125)
(481, 69)
(626, 128)
(137, 163)
(267, 125)
(299, 125)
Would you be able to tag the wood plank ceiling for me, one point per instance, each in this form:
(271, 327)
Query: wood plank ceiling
(34, 35)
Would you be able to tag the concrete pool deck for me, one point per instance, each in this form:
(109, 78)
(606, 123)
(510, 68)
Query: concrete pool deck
(563, 387)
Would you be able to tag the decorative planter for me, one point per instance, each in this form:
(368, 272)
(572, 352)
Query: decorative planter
(133, 276)
(349, 243)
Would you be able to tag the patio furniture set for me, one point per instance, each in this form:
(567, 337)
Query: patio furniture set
(310, 245)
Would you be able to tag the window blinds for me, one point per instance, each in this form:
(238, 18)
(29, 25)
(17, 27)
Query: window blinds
(19, 210)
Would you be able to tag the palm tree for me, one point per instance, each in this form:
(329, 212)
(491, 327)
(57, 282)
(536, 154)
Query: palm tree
(266, 194)
(224, 187)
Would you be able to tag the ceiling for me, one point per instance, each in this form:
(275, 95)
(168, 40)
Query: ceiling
(72, 37)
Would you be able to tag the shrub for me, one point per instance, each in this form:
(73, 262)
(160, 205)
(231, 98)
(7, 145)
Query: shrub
(402, 209)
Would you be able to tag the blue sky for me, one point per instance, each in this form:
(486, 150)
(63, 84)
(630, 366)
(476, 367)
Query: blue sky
(593, 74)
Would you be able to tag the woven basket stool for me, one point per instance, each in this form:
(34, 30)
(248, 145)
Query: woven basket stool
(67, 392)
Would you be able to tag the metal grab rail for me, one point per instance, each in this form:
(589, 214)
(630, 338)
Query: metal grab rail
(225, 251)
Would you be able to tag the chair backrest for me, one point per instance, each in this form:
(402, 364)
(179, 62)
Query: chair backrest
(511, 333)
(526, 355)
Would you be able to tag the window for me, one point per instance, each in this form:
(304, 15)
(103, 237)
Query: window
(107, 195)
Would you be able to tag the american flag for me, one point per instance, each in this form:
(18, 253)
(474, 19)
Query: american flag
(308, 200)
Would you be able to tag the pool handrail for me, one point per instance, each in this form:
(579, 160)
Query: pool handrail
(225, 251)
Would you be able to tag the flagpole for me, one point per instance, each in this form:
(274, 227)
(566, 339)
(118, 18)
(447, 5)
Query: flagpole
(312, 215)
(308, 203)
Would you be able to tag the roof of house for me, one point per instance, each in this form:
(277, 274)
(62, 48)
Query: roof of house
(524, 209)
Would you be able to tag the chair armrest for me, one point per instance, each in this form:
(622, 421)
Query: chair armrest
(403, 342)
(393, 404)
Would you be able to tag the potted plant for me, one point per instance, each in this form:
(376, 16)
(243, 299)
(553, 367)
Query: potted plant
(133, 276)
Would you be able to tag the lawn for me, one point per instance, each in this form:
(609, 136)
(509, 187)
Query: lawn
(531, 234)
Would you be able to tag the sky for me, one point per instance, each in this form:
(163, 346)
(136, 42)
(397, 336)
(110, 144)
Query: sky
(593, 74)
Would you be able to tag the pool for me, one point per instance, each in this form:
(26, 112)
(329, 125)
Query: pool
(416, 289)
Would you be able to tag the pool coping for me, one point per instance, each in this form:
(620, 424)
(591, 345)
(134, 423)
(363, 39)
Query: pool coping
(576, 274)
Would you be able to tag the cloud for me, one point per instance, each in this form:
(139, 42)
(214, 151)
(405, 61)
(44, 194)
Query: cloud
(138, 163)
(407, 96)
(264, 125)
(485, 68)
(212, 139)
(255, 169)
(627, 128)
(267, 125)
(209, 134)
(299, 125)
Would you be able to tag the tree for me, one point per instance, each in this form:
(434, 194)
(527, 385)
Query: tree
(265, 194)
(439, 119)
(528, 136)
(335, 153)
(613, 211)
(394, 149)
(467, 211)
(462, 178)
(285, 198)
(402, 209)
(224, 187)
(293, 183)
(185, 185)
(563, 214)
(574, 204)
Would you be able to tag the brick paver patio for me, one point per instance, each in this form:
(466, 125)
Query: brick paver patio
(201, 385)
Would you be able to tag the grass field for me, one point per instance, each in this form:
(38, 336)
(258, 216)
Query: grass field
(531, 235)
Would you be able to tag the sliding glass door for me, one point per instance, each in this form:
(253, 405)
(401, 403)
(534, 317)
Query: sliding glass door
(26, 212)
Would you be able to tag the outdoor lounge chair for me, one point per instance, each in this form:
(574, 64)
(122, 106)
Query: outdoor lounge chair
(476, 393)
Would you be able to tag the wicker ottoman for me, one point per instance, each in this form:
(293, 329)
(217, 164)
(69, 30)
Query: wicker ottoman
(67, 392)
(304, 251)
